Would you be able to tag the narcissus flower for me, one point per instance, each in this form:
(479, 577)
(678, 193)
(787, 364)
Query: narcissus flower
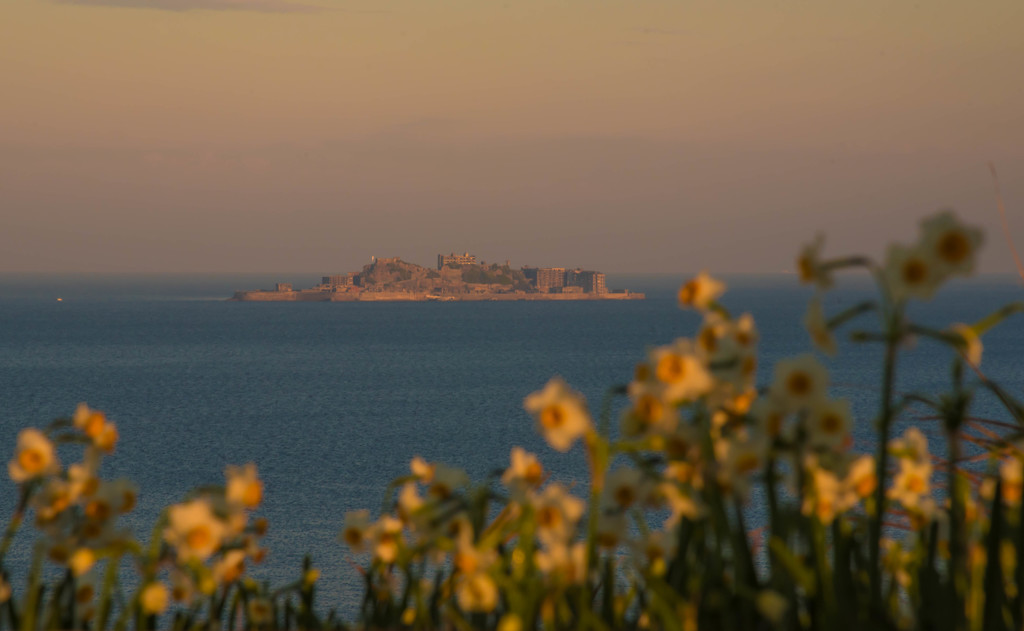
(446, 480)
(650, 412)
(828, 423)
(34, 456)
(524, 471)
(809, 265)
(624, 486)
(679, 370)
(561, 413)
(387, 539)
(911, 272)
(356, 531)
(556, 513)
(700, 291)
(244, 487)
(951, 244)
(562, 563)
(194, 530)
(798, 381)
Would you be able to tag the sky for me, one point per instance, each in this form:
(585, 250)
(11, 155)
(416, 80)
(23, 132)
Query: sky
(184, 136)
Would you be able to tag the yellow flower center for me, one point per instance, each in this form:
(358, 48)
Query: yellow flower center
(688, 292)
(915, 484)
(552, 417)
(865, 485)
(353, 537)
(466, 562)
(748, 365)
(607, 539)
(648, 409)
(127, 501)
(954, 247)
(199, 538)
(799, 384)
(625, 496)
(253, 494)
(534, 473)
(94, 424)
(744, 338)
(84, 594)
(708, 340)
(549, 517)
(670, 368)
(831, 423)
(32, 460)
(914, 272)
(677, 447)
(98, 510)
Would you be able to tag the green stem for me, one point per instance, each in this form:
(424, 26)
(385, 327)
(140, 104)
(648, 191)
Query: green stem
(882, 462)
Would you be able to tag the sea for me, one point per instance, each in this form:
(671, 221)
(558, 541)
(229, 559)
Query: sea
(332, 400)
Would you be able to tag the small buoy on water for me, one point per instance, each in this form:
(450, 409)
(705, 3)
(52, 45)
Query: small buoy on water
(60, 300)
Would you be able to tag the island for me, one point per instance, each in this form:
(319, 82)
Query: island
(458, 277)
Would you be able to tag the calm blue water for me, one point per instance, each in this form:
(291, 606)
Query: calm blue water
(332, 400)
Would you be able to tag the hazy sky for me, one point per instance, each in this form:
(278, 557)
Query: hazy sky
(626, 136)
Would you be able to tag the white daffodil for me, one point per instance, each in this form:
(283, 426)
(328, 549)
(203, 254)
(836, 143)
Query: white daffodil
(524, 471)
(681, 502)
(357, 531)
(230, 567)
(446, 481)
(94, 424)
(700, 291)
(557, 514)
(828, 423)
(860, 481)
(611, 530)
(798, 381)
(624, 486)
(244, 487)
(650, 412)
(194, 530)
(680, 371)
(562, 563)
(33, 457)
(823, 496)
(809, 264)
(912, 483)
(769, 416)
(387, 539)
(561, 413)
(953, 245)
(913, 445)
(911, 272)
(422, 470)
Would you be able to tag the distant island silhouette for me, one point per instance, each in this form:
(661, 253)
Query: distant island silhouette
(457, 277)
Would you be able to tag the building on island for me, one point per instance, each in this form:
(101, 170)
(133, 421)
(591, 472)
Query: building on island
(335, 282)
(283, 287)
(591, 282)
(456, 259)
